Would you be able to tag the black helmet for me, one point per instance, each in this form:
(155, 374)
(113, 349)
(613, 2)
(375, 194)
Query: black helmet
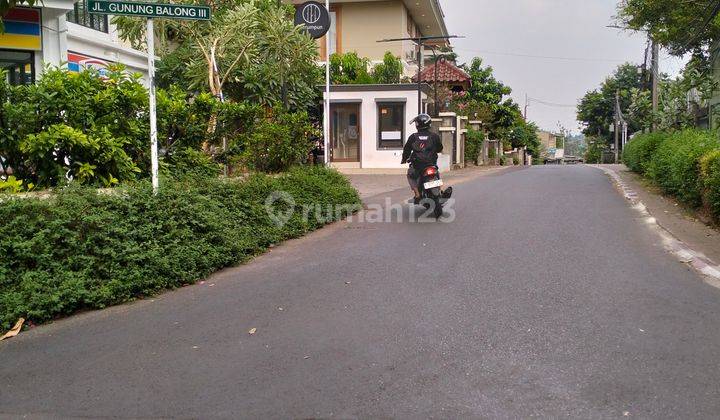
(422, 122)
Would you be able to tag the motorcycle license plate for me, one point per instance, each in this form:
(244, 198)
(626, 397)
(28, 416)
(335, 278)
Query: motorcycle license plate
(433, 184)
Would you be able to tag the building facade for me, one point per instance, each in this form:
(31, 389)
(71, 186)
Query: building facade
(61, 33)
(358, 25)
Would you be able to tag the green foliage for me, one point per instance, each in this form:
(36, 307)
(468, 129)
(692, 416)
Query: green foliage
(525, 134)
(675, 165)
(595, 151)
(260, 55)
(486, 100)
(94, 129)
(192, 163)
(710, 172)
(473, 144)
(350, 69)
(91, 128)
(389, 71)
(639, 151)
(492, 153)
(275, 144)
(681, 28)
(597, 108)
(13, 185)
(84, 250)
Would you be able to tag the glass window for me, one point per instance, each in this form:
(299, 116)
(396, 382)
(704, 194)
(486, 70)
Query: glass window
(80, 15)
(333, 32)
(391, 125)
(19, 66)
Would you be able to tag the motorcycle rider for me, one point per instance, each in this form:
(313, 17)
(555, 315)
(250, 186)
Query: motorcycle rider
(421, 150)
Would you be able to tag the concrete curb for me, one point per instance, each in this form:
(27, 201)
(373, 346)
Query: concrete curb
(702, 264)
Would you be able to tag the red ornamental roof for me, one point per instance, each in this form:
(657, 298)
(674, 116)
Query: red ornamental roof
(447, 72)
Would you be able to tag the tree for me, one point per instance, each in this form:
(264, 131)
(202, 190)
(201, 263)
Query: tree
(525, 134)
(597, 108)
(681, 28)
(485, 100)
(389, 71)
(250, 50)
(350, 69)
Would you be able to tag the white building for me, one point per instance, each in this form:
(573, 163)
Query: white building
(61, 33)
(369, 125)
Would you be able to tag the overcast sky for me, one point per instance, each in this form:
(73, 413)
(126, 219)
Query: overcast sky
(506, 33)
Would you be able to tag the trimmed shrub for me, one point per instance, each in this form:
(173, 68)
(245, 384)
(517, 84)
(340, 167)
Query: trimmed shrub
(640, 150)
(675, 165)
(710, 172)
(82, 249)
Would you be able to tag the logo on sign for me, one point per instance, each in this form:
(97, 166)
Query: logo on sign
(311, 13)
(314, 18)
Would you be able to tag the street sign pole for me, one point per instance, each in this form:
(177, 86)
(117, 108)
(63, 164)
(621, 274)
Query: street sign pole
(153, 117)
(150, 11)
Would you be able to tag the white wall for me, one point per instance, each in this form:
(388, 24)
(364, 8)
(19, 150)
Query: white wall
(60, 36)
(105, 46)
(370, 156)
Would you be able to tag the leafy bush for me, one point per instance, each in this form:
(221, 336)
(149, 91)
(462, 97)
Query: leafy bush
(710, 171)
(675, 165)
(640, 150)
(191, 163)
(82, 249)
(473, 144)
(278, 142)
(91, 127)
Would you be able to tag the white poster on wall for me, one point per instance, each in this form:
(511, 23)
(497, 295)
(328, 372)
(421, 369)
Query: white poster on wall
(391, 135)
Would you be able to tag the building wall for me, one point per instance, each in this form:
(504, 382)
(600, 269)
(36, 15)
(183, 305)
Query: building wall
(63, 43)
(363, 24)
(370, 156)
(98, 47)
(547, 141)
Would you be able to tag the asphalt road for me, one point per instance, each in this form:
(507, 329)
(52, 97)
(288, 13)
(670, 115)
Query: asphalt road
(545, 297)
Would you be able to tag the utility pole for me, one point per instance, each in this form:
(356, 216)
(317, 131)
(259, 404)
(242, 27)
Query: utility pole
(617, 126)
(527, 102)
(655, 80)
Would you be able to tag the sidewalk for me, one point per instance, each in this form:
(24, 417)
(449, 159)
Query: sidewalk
(373, 184)
(680, 221)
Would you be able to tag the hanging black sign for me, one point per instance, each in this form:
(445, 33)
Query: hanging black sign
(314, 17)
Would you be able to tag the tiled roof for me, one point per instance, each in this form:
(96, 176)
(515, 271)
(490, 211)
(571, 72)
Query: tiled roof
(447, 72)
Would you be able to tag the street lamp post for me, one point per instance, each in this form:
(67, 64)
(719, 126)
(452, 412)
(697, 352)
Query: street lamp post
(420, 42)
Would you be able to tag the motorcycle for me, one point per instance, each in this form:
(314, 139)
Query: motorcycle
(431, 194)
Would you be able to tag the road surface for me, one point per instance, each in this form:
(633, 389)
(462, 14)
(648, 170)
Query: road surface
(545, 297)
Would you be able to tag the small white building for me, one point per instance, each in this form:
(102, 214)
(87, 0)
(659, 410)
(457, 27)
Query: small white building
(61, 33)
(369, 124)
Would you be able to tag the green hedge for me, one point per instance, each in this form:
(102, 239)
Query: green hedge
(639, 151)
(685, 164)
(710, 171)
(84, 249)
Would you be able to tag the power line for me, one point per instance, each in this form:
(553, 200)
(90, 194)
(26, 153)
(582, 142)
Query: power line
(544, 57)
(553, 104)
